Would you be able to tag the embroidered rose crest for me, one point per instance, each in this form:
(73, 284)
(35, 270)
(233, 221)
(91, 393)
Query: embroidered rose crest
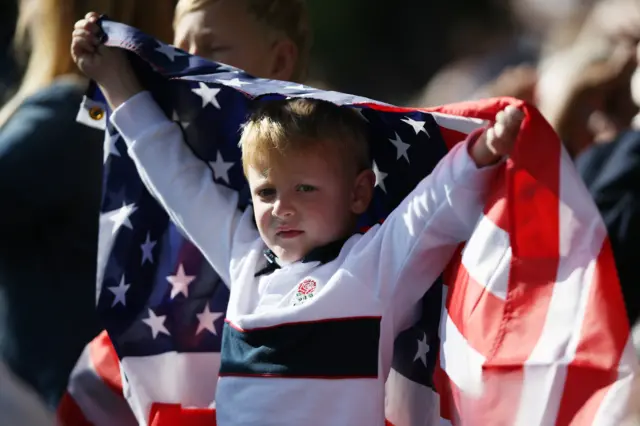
(307, 287)
(305, 291)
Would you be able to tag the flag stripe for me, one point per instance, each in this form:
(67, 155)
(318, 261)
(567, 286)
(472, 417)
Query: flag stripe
(69, 413)
(487, 256)
(533, 194)
(104, 360)
(480, 327)
(190, 381)
(613, 406)
(462, 363)
(602, 335)
(100, 401)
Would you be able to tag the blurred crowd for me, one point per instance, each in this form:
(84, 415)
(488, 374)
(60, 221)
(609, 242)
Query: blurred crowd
(575, 60)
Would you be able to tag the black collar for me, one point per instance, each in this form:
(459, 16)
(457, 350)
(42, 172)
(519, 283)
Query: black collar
(323, 254)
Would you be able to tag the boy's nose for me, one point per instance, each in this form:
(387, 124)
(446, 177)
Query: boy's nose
(282, 209)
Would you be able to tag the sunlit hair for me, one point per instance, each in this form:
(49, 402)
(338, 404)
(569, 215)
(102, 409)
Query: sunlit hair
(43, 36)
(288, 18)
(278, 127)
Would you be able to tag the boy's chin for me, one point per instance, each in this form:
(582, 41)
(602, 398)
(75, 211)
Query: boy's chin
(288, 255)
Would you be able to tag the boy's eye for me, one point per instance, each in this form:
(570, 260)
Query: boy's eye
(266, 192)
(306, 188)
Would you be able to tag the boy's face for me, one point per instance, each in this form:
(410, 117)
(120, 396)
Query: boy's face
(304, 201)
(224, 31)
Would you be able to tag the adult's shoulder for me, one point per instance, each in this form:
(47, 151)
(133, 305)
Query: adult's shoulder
(48, 115)
(64, 91)
(602, 164)
(45, 154)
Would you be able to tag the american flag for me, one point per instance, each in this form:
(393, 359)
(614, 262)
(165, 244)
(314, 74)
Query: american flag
(526, 326)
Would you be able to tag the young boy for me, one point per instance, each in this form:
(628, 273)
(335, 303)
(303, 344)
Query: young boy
(311, 324)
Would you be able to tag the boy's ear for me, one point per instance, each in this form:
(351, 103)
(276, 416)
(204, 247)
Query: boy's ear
(363, 191)
(285, 57)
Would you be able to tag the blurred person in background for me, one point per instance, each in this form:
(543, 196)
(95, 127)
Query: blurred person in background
(50, 183)
(590, 93)
(611, 171)
(8, 69)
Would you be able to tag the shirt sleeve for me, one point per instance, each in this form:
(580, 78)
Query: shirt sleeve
(206, 212)
(404, 256)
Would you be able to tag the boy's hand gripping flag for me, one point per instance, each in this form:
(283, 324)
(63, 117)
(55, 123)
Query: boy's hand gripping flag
(527, 327)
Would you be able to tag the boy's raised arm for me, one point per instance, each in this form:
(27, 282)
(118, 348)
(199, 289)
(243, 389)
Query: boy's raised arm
(181, 182)
(415, 243)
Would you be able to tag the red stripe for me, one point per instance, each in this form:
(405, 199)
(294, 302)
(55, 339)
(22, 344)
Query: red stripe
(69, 413)
(532, 221)
(443, 385)
(533, 182)
(479, 326)
(604, 335)
(105, 361)
(451, 137)
(506, 332)
(175, 415)
(496, 206)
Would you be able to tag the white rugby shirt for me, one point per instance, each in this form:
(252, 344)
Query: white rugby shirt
(309, 343)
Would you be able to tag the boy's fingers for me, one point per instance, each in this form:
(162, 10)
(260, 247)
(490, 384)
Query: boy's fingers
(93, 16)
(85, 35)
(491, 136)
(511, 118)
(80, 24)
(91, 27)
(513, 113)
(500, 130)
(81, 46)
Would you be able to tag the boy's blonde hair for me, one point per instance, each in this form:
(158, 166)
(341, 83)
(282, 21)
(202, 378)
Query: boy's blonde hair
(276, 128)
(288, 18)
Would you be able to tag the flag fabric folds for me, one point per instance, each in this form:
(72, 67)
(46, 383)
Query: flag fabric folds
(526, 325)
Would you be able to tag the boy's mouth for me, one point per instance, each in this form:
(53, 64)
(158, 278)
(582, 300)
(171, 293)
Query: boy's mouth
(288, 233)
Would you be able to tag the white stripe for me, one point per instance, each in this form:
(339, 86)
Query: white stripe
(408, 403)
(461, 362)
(581, 237)
(457, 123)
(613, 408)
(487, 257)
(99, 404)
(189, 379)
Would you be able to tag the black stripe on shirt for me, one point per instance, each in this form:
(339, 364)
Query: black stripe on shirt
(334, 349)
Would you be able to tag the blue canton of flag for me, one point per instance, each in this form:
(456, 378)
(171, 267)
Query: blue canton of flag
(161, 303)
